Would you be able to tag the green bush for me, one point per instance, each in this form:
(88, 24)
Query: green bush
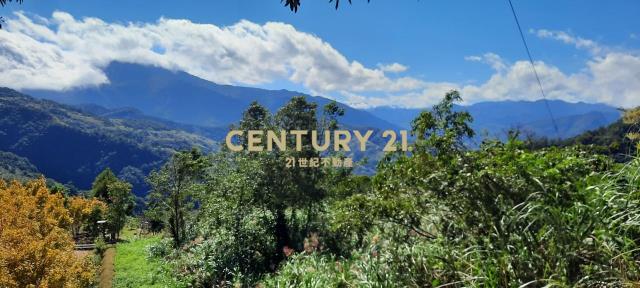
(160, 249)
(101, 246)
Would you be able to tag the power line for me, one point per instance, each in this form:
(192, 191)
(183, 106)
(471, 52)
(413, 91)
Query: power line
(535, 72)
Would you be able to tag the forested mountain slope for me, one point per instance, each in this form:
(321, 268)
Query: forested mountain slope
(69, 145)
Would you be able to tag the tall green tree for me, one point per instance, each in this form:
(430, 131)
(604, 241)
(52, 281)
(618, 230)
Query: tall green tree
(118, 197)
(100, 187)
(121, 204)
(286, 193)
(174, 188)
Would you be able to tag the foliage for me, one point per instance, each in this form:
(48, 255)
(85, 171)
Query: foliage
(160, 249)
(4, 2)
(618, 140)
(100, 187)
(442, 215)
(236, 231)
(632, 117)
(500, 215)
(252, 209)
(85, 212)
(121, 203)
(118, 198)
(36, 249)
(295, 4)
(101, 246)
(13, 166)
(173, 189)
(379, 263)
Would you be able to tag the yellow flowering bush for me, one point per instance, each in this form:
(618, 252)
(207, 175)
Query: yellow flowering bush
(36, 248)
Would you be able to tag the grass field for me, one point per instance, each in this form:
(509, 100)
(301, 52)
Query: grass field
(134, 269)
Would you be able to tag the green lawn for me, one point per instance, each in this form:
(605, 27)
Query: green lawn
(134, 269)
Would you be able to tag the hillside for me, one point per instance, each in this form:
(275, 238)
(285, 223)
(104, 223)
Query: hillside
(136, 117)
(610, 140)
(69, 145)
(14, 167)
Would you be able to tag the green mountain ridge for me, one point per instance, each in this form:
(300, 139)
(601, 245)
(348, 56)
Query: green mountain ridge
(72, 146)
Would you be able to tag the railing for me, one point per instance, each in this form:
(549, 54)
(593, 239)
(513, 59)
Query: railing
(89, 246)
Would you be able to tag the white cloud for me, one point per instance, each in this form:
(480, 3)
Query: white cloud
(609, 76)
(393, 67)
(613, 79)
(494, 60)
(567, 38)
(63, 52)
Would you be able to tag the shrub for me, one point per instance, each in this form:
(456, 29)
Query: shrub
(101, 246)
(160, 249)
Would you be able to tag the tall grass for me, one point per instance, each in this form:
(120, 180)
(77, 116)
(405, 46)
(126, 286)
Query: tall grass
(585, 236)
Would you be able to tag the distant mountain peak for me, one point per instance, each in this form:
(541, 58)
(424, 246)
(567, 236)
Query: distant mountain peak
(184, 98)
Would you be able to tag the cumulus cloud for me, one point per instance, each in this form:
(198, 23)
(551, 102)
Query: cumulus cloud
(609, 76)
(64, 52)
(494, 60)
(613, 78)
(393, 67)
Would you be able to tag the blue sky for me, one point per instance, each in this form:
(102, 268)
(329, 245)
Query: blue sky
(442, 45)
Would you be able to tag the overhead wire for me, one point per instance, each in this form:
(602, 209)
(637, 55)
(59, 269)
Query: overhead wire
(535, 72)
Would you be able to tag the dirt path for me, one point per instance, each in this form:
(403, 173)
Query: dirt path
(106, 273)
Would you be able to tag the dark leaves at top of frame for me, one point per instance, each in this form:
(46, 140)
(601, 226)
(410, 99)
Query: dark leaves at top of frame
(4, 2)
(295, 4)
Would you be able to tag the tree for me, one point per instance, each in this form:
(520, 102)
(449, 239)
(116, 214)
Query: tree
(255, 117)
(36, 249)
(173, 190)
(252, 207)
(330, 114)
(82, 211)
(100, 188)
(118, 197)
(121, 204)
(285, 189)
(442, 131)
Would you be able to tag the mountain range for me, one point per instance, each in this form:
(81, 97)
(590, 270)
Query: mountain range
(494, 119)
(134, 122)
(183, 98)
